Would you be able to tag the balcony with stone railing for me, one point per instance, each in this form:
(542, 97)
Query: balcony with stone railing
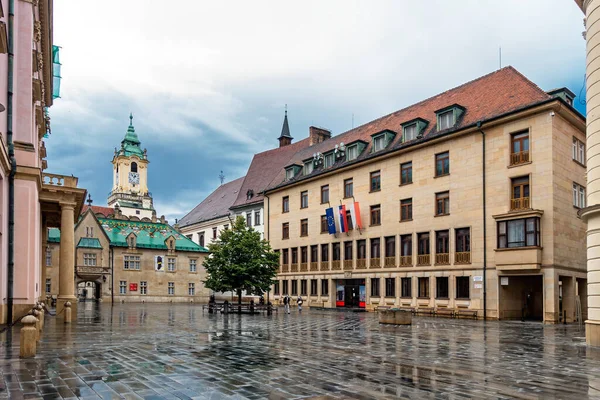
(406, 261)
(375, 263)
(59, 180)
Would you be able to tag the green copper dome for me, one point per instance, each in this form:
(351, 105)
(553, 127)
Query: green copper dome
(130, 145)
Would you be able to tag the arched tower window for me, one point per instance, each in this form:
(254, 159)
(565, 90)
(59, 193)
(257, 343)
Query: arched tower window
(134, 167)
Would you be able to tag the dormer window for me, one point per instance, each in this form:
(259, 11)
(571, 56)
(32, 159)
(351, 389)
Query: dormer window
(353, 150)
(289, 174)
(447, 117)
(378, 143)
(308, 167)
(413, 129)
(249, 194)
(382, 139)
(410, 132)
(329, 160)
(291, 171)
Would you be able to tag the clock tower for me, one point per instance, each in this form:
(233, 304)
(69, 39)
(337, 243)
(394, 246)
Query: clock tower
(130, 178)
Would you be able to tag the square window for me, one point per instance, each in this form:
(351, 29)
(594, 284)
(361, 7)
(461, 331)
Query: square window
(442, 164)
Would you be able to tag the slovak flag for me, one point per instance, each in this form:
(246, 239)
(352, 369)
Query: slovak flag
(342, 218)
(330, 221)
(355, 214)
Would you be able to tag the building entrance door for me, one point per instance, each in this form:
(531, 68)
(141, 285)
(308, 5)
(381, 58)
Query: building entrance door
(350, 293)
(522, 297)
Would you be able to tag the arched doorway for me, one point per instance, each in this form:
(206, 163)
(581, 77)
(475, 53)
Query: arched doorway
(89, 291)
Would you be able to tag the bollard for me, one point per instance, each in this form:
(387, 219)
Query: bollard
(40, 308)
(28, 337)
(36, 314)
(67, 312)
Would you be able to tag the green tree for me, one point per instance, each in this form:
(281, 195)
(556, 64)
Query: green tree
(240, 261)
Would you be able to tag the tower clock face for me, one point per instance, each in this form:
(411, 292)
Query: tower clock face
(134, 178)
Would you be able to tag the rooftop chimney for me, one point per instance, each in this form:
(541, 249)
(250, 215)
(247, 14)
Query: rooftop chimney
(318, 135)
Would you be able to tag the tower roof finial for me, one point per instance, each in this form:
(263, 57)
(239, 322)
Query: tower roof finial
(130, 119)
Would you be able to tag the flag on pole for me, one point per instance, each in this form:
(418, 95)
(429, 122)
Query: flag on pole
(355, 214)
(330, 221)
(342, 218)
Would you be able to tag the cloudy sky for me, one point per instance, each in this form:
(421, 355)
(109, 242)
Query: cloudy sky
(207, 81)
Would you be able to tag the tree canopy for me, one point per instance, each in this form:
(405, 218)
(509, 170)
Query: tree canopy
(239, 261)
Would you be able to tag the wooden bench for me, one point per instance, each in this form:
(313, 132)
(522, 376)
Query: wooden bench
(466, 313)
(425, 310)
(444, 312)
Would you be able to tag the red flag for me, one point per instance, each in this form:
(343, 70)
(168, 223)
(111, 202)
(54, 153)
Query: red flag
(355, 214)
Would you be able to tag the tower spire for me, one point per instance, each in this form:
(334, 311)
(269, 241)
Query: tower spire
(130, 119)
(285, 138)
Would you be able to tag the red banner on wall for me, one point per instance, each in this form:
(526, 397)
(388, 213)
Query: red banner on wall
(133, 287)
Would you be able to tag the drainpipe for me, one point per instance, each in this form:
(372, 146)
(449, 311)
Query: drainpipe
(13, 168)
(479, 125)
(266, 216)
(112, 276)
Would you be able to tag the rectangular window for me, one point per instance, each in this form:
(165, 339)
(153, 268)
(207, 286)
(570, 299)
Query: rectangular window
(462, 287)
(214, 233)
(201, 239)
(285, 287)
(304, 199)
(352, 153)
(131, 262)
(122, 287)
(375, 287)
(423, 288)
(423, 249)
(295, 255)
(304, 227)
(336, 252)
(442, 164)
(89, 259)
(519, 233)
(193, 266)
(303, 254)
(276, 288)
(390, 287)
(48, 256)
(329, 160)
(378, 143)
(225, 227)
(313, 287)
(285, 230)
(324, 225)
(441, 287)
(375, 248)
(406, 210)
(324, 194)
(406, 245)
(325, 253)
(578, 195)
(308, 167)
(285, 204)
(248, 219)
(442, 203)
(410, 132)
(48, 285)
(303, 287)
(442, 247)
(143, 287)
(171, 288)
(578, 151)
(286, 256)
(376, 214)
(520, 193)
(347, 250)
(314, 253)
(446, 120)
(463, 246)
(406, 287)
(406, 173)
(375, 181)
(294, 287)
(171, 264)
(256, 217)
(361, 249)
(191, 289)
(390, 246)
(519, 148)
(289, 173)
(348, 188)
(324, 287)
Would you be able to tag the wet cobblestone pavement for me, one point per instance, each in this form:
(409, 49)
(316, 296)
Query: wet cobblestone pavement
(160, 351)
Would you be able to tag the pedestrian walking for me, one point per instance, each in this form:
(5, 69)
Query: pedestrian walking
(299, 301)
(286, 303)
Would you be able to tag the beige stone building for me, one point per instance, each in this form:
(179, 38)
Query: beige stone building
(124, 259)
(468, 201)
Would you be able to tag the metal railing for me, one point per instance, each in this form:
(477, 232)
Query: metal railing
(303, 267)
(294, 267)
(375, 263)
(519, 158)
(389, 262)
(347, 264)
(361, 263)
(424, 259)
(324, 266)
(442, 258)
(314, 266)
(285, 268)
(462, 257)
(406, 261)
(335, 265)
(519, 204)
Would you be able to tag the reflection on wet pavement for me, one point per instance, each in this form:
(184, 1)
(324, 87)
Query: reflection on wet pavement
(161, 351)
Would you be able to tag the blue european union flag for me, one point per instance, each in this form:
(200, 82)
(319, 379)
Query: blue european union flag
(330, 221)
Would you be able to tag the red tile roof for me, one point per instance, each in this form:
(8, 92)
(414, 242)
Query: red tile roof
(105, 211)
(216, 205)
(489, 96)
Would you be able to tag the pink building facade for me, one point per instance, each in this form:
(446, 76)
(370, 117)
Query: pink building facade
(30, 200)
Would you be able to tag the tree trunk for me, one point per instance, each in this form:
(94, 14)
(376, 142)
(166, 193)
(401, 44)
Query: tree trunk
(239, 293)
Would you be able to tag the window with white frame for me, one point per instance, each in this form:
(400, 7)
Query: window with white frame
(379, 143)
(256, 217)
(578, 195)
(143, 287)
(191, 289)
(446, 120)
(171, 288)
(170, 264)
(193, 265)
(48, 256)
(48, 285)
(352, 152)
(122, 287)
(578, 151)
(410, 132)
(329, 160)
(308, 167)
(289, 173)
(131, 262)
(89, 259)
